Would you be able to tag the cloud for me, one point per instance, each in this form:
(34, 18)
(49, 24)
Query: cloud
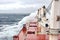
(8, 1)
(35, 1)
(20, 10)
(15, 6)
(18, 6)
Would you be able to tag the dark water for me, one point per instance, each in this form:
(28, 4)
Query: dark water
(8, 19)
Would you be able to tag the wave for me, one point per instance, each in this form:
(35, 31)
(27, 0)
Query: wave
(4, 17)
(15, 29)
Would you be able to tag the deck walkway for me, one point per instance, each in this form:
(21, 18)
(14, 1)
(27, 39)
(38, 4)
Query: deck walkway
(30, 34)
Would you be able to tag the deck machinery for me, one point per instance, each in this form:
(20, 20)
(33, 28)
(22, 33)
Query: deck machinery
(50, 25)
(45, 26)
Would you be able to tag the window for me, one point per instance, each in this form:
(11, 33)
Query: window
(44, 14)
(58, 31)
(58, 18)
(56, 0)
(39, 19)
(46, 25)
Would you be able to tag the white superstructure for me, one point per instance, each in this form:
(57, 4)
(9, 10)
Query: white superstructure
(55, 20)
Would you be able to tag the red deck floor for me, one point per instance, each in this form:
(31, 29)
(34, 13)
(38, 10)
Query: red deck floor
(31, 35)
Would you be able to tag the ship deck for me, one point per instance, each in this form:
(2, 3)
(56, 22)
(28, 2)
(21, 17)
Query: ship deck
(31, 34)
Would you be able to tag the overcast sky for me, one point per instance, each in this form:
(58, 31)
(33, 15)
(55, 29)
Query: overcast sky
(21, 6)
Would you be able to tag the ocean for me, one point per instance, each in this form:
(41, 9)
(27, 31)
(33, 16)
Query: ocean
(11, 19)
(8, 25)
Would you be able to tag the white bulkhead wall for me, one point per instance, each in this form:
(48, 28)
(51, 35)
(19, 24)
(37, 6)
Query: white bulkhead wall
(41, 12)
(55, 11)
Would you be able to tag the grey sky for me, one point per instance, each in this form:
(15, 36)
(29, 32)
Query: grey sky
(21, 6)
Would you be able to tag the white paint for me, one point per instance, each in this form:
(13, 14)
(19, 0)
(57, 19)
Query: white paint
(55, 11)
(54, 24)
(51, 37)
